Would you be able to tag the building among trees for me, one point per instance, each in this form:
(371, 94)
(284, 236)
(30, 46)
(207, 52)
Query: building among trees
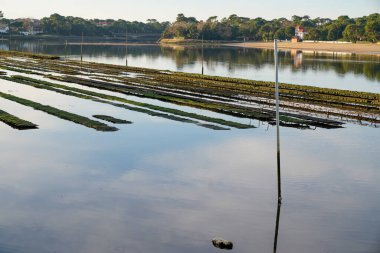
(4, 28)
(344, 28)
(30, 26)
(300, 32)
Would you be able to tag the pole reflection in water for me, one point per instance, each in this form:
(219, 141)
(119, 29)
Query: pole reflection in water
(66, 50)
(277, 227)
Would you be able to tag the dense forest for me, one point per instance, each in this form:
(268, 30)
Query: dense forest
(68, 26)
(365, 28)
(56, 24)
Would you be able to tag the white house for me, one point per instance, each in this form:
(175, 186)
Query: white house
(32, 30)
(300, 32)
(4, 28)
(30, 26)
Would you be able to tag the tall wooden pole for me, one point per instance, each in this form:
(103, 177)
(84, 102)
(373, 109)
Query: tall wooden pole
(278, 125)
(10, 30)
(66, 50)
(202, 56)
(81, 49)
(126, 47)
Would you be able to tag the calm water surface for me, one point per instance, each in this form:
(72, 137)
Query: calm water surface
(164, 186)
(338, 70)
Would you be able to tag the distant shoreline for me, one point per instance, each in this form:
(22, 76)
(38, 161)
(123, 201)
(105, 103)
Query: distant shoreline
(326, 47)
(110, 44)
(373, 49)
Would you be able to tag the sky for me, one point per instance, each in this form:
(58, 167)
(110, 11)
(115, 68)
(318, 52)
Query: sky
(167, 10)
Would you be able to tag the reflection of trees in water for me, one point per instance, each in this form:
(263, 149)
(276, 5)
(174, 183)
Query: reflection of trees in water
(238, 58)
(227, 57)
(150, 52)
(366, 65)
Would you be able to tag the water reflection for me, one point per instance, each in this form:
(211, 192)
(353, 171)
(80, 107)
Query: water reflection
(337, 70)
(297, 58)
(277, 227)
(161, 186)
(75, 190)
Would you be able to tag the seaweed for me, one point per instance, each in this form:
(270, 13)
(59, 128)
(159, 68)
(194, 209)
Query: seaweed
(85, 94)
(310, 106)
(60, 113)
(16, 122)
(29, 55)
(112, 119)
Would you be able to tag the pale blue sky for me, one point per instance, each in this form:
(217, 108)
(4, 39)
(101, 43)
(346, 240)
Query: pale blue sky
(166, 10)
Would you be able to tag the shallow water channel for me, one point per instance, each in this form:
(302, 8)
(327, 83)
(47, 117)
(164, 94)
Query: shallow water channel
(163, 186)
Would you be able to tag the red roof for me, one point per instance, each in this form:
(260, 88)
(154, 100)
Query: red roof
(300, 28)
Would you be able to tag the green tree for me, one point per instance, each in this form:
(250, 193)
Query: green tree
(296, 19)
(289, 32)
(313, 34)
(335, 32)
(344, 20)
(372, 28)
(232, 27)
(353, 33)
(266, 32)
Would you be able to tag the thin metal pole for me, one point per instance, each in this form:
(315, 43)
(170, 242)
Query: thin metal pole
(126, 47)
(10, 40)
(66, 50)
(202, 56)
(278, 125)
(81, 50)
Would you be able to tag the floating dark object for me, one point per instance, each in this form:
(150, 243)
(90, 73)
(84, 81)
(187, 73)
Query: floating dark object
(220, 243)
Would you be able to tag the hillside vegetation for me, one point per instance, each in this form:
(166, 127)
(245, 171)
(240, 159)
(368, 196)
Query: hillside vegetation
(365, 28)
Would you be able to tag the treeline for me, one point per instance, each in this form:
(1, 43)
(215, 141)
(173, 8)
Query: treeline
(57, 24)
(365, 28)
(68, 26)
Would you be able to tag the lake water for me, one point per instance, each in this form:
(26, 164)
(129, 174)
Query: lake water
(342, 71)
(164, 186)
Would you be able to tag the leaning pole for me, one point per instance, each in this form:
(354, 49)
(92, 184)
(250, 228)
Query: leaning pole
(277, 125)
